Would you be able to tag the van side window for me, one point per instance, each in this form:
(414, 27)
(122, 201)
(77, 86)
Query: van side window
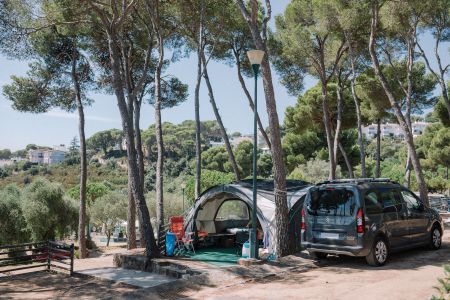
(372, 203)
(412, 202)
(390, 200)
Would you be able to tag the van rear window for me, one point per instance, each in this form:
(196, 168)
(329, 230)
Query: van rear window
(332, 201)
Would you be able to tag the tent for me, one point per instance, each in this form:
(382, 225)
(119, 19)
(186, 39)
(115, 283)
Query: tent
(226, 207)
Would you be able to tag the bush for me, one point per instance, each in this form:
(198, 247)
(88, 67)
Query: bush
(109, 210)
(314, 170)
(208, 180)
(47, 212)
(12, 222)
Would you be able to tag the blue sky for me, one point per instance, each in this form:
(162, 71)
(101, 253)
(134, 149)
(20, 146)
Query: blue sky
(58, 127)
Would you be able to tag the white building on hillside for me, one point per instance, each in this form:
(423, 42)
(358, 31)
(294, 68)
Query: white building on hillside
(46, 156)
(53, 156)
(36, 156)
(393, 130)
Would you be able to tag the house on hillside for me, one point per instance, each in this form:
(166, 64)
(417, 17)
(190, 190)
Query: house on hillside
(46, 156)
(393, 130)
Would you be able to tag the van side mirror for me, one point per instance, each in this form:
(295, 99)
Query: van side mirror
(421, 206)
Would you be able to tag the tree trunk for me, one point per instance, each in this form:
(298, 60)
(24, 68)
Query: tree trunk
(396, 108)
(347, 161)
(140, 160)
(362, 151)
(198, 141)
(329, 135)
(159, 140)
(338, 121)
(378, 151)
(407, 177)
(131, 217)
(127, 125)
(219, 121)
(83, 162)
(281, 209)
(251, 103)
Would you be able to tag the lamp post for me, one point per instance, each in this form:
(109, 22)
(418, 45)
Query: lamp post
(255, 57)
(183, 186)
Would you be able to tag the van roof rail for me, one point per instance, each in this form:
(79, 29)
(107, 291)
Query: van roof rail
(356, 180)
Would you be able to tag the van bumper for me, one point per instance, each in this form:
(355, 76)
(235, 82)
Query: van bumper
(334, 249)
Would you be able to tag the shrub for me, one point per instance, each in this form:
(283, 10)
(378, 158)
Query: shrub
(47, 212)
(12, 222)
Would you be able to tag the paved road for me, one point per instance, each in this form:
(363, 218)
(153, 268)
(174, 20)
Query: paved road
(408, 275)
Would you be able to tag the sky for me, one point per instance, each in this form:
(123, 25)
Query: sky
(58, 127)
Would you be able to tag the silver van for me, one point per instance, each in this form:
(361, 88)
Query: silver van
(368, 218)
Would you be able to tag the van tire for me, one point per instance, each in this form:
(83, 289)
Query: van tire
(435, 238)
(318, 255)
(379, 253)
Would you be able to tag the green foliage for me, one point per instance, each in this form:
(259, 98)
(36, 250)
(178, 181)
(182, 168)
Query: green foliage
(300, 147)
(441, 112)
(264, 166)
(216, 158)
(12, 222)
(439, 151)
(244, 157)
(110, 209)
(103, 140)
(444, 285)
(47, 212)
(94, 190)
(307, 114)
(314, 170)
(208, 180)
(5, 153)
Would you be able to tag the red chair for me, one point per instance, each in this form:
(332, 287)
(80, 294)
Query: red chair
(183, 240)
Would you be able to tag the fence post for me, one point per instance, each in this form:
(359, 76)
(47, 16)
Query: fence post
(48, 255)
(71, 259)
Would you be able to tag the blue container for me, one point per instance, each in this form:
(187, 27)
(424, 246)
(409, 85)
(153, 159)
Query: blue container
(246, 250)
(170, 243)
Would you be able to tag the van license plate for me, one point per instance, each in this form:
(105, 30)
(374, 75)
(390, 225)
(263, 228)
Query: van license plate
(327, 235)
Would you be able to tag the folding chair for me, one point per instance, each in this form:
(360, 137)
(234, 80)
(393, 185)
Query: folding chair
(183, 240)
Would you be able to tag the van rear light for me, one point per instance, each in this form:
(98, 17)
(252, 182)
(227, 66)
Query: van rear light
(303, 219)
(360, 221)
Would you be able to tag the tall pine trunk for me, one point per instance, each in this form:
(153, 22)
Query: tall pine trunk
(329, 135)
(131, 216)
(362, 150)
(378, 151)
(159, 140)
(126, 114)
(83, 161)
(140, 158)
(279, 172)
(396, 108)
(219, 121)
(348, 163)
(250, 101)
(198, 141)
(338, 121)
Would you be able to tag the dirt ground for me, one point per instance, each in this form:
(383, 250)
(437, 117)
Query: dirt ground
(408, 275)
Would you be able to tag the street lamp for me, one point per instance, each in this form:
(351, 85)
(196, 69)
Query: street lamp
(183, 186)
(255, 57)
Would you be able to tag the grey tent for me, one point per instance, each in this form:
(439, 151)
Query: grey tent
(207, 214)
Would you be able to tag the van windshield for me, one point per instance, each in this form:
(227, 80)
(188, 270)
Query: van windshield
(332, 201)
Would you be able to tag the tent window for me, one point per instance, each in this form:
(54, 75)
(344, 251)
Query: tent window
(232, 210)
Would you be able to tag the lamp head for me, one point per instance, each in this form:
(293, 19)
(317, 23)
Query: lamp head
(255, 56)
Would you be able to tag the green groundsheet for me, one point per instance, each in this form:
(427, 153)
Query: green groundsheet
(216, 256)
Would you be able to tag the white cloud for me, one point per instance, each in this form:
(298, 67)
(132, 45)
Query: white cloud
(66, 115)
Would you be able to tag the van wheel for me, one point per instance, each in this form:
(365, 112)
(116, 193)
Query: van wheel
(379, 253)
(318, 255)
(436, 238)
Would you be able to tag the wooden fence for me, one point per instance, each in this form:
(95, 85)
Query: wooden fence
(49, 255)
